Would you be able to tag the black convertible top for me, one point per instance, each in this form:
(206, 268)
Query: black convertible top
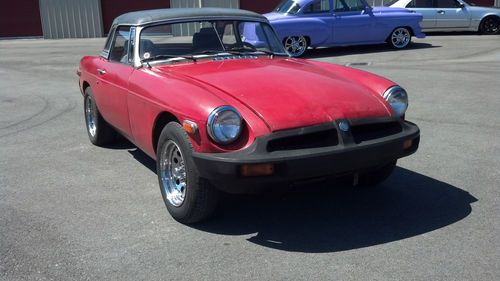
(151, 16)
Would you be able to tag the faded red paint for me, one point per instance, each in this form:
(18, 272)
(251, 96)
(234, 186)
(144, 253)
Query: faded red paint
(265, 91)
(112, 8)
(20, 18)
(259, 6)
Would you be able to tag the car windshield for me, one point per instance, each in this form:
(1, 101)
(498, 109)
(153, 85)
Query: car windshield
(288, 7)
(191, 40)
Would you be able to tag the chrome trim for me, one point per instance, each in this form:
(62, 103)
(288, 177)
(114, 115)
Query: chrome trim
(391, 91)
(214, 114)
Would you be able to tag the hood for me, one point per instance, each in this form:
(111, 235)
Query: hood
(286, 93)
(275, 16)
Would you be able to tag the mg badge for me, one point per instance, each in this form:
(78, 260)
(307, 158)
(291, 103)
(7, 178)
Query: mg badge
(344, 126)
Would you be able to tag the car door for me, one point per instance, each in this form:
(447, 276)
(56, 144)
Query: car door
(113, 72)
(428, 11)
(319, 13)
(353, 22)
(451, 14)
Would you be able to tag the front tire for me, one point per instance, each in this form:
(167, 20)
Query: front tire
(188, 198)
(295, 46)
(490, 26)
(98, 130)
(400, 38)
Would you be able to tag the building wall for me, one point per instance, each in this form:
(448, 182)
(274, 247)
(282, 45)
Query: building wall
(113, 8)
(71, 18)
(259, 6)
(20, 18)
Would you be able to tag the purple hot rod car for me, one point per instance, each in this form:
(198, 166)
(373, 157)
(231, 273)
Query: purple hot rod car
(327, 23)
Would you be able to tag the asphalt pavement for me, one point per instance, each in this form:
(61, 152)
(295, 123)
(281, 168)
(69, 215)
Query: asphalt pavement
(73, 211)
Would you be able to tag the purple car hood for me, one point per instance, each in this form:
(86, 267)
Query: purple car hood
(274, 16)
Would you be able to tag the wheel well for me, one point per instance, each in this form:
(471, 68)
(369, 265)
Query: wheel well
(85, 85)
(307, 39)
(407, 27)
(482, 20)
(161, 121)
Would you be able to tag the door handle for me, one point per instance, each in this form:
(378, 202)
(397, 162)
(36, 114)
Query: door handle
(441, 12)
(101, 71)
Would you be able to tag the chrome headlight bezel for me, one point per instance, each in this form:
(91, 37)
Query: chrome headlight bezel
(215, 117)
(397, 98)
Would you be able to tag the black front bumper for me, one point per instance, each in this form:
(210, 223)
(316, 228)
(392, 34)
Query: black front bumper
(352, 151)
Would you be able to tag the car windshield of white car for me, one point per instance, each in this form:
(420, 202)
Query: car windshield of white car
(173, 42)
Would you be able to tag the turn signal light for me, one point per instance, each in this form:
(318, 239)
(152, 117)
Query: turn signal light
(190, 127)
(407, 144)
(255, 170)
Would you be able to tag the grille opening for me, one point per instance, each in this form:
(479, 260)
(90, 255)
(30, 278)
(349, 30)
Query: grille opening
(368, 132)
(312, 140)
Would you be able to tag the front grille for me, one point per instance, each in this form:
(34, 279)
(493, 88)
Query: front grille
(311, 140)
(366, 132)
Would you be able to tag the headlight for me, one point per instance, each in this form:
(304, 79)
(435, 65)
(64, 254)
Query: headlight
(397, 98)
(224, 125)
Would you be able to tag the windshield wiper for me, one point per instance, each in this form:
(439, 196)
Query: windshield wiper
(238, 51)
(160, 57)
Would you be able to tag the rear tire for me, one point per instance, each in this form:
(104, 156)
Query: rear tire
(376, 177)
(400, 38)
(98, 130)
(188, 197)
(490, 25)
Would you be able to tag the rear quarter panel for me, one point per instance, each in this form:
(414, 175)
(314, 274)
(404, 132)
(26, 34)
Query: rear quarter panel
(385, 23)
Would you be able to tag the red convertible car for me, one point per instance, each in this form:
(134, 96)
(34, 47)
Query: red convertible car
(212, 96)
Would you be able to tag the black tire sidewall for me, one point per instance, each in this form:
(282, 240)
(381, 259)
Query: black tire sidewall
(174, 132)
(94, 138)
(483, 22)
(104, 134)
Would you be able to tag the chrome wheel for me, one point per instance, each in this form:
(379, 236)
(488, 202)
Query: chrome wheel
(173, 173)
(400, 37)
(90, 115)
(296, 46)
(490, 25)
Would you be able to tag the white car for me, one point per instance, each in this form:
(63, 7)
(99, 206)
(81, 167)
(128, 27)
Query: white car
(453, 15)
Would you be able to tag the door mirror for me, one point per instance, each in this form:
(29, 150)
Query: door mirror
(462, 5)
(368, 9)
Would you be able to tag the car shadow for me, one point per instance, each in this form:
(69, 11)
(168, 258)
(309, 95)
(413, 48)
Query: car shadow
(324, 217)
(361, 49)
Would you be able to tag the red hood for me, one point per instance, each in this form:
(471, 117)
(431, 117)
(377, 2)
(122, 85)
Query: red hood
(287, 93)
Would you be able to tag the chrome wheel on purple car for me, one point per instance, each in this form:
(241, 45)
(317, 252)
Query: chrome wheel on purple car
(400, 38)
(296, 46)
